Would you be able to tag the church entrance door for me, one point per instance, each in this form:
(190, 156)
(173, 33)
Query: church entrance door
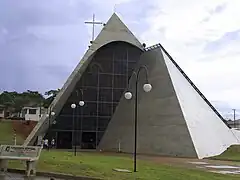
(64, 139)
(88, 140)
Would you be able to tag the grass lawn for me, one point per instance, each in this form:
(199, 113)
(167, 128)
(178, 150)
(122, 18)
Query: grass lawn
(98, 165)
(6, 133)
(231, 154)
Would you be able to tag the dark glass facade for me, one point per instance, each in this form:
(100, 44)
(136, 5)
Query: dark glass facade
(102, 84)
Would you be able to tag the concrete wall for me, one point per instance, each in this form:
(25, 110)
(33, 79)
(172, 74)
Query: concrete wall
(33, 117)
(162, 129)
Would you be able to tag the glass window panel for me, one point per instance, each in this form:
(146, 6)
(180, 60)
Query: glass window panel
(90, 109)
(63, 123)
(106, 80)
(120, 81)
(104, 54)
(117, 94)
(105, 95)
(90, 79)
(76, 95)
(120, 54)
(67, 110)
(105, 109)
(90, 94)
(102, 123)
(96, 68)
(120, 67)
(133, 55)
(77, 135)
(107, 66)
(78, 122)
(89, 123)
(79, 110)
(32, 111)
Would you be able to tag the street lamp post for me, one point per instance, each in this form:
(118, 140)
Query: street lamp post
(128, 95)
(50, 115)
(99, 68)
(73, 106)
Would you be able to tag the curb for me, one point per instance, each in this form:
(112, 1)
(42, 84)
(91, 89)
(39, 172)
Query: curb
(55, 175)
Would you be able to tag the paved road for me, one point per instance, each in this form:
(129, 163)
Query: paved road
(10, 176)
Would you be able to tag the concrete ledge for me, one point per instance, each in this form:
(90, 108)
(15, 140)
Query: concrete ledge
(55, 175)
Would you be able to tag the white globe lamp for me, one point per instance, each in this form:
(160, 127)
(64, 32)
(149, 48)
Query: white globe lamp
(147, 87)
(128, 95)
(73, 106)
(52, 113)
(47, 115)
(81, 103)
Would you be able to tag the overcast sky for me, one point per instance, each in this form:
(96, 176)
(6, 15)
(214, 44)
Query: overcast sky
(41, 41)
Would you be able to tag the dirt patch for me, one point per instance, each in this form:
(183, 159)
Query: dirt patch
(23, 128)
(194, 163)
(169, 160)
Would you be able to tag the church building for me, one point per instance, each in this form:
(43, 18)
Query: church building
(93, 111)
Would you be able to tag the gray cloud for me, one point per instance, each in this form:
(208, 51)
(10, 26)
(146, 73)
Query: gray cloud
(226, 110)
(23, 13)
(222, 42)
(36, 36)
(218, 9)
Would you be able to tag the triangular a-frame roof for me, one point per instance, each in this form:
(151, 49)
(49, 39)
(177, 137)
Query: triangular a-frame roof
(114, 30)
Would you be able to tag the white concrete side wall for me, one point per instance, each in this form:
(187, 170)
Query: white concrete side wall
(33, 117)
(209, 134)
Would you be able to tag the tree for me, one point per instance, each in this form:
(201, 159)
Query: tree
(14, 101)
(51, 94)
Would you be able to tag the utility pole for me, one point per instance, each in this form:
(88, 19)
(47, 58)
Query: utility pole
(234, 117)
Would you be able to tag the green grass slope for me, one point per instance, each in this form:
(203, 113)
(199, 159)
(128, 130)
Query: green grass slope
(231, 154)
(7, 133)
